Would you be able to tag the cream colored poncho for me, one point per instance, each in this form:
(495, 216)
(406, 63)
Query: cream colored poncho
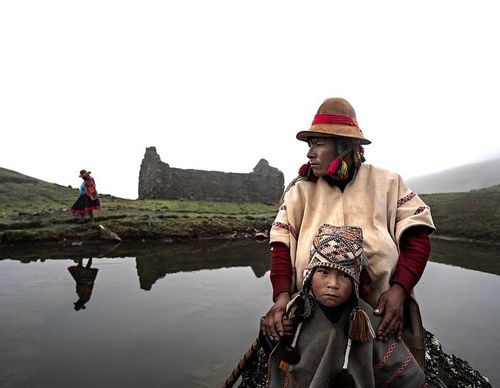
(376, 200)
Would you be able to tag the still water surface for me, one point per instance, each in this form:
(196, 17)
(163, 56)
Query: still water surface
(183, 315)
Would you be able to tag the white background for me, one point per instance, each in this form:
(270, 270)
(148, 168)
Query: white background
(219, 85)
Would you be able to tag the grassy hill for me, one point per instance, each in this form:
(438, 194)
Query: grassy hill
(469, 215)
(32, 210)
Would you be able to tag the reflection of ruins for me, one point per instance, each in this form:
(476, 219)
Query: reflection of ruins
(202, 255)
(156, 259)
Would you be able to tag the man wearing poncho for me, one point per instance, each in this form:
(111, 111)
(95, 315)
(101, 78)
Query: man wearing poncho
(336, 187)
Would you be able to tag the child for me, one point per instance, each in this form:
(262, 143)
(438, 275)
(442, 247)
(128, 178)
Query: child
(333, 344)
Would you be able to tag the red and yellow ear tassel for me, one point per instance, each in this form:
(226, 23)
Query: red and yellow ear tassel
(306, 172)
(359, 157)
(360, 328)
(338, 169)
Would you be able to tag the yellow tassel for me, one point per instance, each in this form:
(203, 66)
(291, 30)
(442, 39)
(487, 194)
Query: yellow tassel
(361, 329)
(343, 170)
(285, 366)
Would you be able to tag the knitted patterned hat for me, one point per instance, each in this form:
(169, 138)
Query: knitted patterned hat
(338, 247)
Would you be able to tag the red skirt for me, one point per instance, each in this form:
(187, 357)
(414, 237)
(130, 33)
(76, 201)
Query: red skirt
(84, 204)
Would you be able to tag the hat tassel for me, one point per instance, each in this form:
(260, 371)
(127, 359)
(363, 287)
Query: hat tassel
(291, 356)
(338, 169)
(360, 329)
(343, 379)
(305, 171)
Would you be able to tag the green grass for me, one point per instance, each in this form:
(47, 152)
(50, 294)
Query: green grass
(469, 215)
(32, 210)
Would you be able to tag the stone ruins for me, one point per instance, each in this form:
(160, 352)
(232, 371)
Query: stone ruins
(157, 180)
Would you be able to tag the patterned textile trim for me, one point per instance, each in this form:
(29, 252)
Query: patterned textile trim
(90, 189)
(421, 209)
(298, 178)
(281, 225)
(400, 370)
(269, 367)
(386, 357)
(405, 199)
(288, 376)
(87, 209)
(288, 227)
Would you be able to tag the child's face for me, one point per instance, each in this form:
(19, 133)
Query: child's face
(331, 286)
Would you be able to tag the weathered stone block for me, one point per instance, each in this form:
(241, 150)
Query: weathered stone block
(157, 180)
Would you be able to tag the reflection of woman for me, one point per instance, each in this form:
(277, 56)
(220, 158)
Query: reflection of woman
(84, 278)
(88, 201)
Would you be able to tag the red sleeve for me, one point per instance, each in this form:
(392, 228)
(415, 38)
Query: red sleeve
(414, 252)
(281, 269)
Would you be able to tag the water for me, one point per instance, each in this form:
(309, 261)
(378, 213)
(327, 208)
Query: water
(183, 315)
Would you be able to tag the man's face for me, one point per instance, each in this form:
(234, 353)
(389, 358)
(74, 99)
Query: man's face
(322, 151)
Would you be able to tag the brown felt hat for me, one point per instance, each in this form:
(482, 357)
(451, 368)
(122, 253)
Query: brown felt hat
(84, 173)
(335, 117)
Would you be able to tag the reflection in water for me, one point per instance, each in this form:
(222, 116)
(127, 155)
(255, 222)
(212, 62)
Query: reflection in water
(200, 313)
(478, 256)
(84, 278)
(155, 260)
(153, 264)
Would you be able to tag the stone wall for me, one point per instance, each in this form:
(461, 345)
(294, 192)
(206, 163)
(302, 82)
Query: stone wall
(157, 180)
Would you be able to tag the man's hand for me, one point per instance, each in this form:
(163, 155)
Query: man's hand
(390, 306)
(274, 325)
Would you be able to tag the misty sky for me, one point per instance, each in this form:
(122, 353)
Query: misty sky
(218, 85)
